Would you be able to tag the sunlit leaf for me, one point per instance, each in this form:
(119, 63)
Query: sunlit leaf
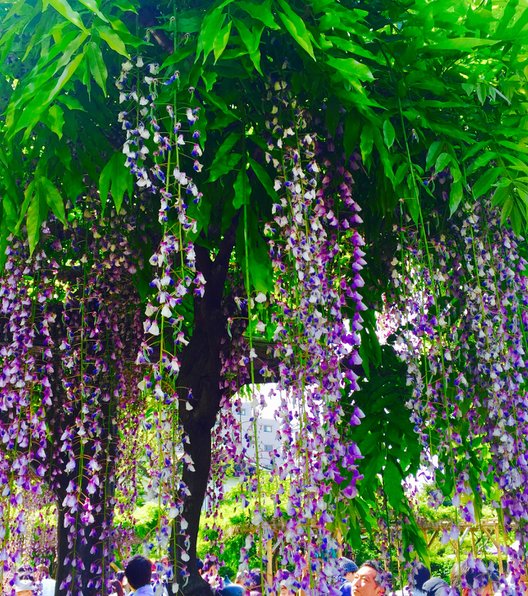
(296, 27)
(64, 8)
(48, 194)
(242, 189)
(96, 65)
(113, 40)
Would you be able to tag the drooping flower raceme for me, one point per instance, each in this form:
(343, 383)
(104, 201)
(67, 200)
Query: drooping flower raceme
(459, 320)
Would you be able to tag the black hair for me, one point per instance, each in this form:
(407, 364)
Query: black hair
(138, 572)
(377, 568)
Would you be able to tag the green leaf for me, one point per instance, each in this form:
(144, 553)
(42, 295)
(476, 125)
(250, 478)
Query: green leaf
(91, 5)
(296, 27)
(433, 153)
(455, 196)
(506, 209)
(413, 205)
(113, 40)
(212, 24)
(392, 484)
(72, 103)
(500, 195)
(219, 103)
(366, 143)
(462, 44)
(263, 178)
(389, 134)
(242, 189)
(485, 182)
(66, 75)
(351, 68)
(54, 119)
(41, 78)
(63, 8)
(33, 222)
(115, 179)
(249, 239)
(351, 136)
(516, 147)
(96, 65)
(221, 40)
(482, 160)
(475, 148)
(251, 39)
(32, 113)
(348, 46)
(124, 6)
(441, 161)
(48, 194)
(29, 193)
(260, 11)
(224, 159)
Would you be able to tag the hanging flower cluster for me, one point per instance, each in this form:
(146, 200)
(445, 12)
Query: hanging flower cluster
(313, 344)
(68, 335)
(162, 149)
(459, 317)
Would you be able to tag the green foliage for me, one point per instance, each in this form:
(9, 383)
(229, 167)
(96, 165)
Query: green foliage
(419, 89)
(410, 78)
(391, 453)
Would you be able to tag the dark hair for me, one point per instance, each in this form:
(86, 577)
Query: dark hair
(377, 568)
(138, 572)
(420, 575)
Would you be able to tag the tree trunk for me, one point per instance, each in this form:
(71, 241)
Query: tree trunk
(200, 374)
(90, 547)
(199, 448)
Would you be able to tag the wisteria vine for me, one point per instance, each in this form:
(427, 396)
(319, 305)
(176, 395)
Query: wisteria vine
(68, 328)
(458, 316)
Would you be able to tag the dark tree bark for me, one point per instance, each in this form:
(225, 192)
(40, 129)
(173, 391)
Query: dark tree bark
(200, 373)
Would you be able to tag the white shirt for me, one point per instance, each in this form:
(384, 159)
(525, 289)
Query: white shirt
(144, 591)
(48, 587)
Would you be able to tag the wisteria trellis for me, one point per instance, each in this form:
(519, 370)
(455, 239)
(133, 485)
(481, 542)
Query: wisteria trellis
(302, 217)
(312, 227)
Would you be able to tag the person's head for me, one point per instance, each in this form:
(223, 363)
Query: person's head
(117, 587)
(24, 584)
(348, 569)
(420, 575)
(24, 587)
(366, 580)
(253, 580)
(41, 571)
(138, 572)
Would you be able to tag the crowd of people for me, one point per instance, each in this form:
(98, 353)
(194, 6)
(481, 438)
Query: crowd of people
(141, 577)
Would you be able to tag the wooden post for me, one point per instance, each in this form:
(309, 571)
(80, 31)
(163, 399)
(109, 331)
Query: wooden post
(269, 565)
(498, 547)
(339, 538)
